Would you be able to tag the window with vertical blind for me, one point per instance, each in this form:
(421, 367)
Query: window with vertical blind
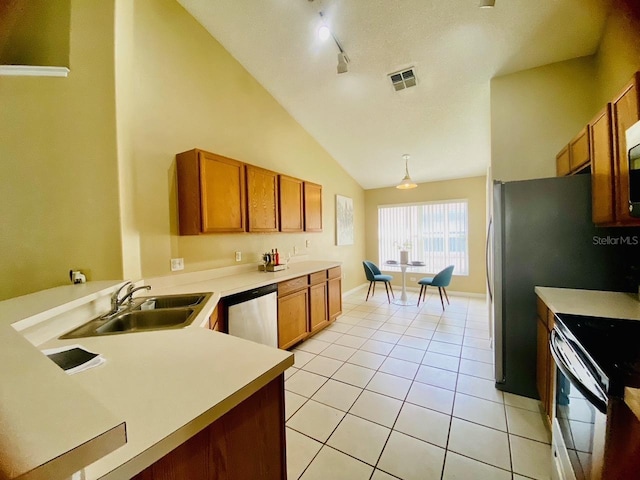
(433, 233)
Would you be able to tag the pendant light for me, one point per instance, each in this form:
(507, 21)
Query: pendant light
(406, 182)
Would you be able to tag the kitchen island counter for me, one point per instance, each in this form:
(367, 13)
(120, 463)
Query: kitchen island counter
(165, 386)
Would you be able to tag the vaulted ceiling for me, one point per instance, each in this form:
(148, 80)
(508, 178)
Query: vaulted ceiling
(454, 47)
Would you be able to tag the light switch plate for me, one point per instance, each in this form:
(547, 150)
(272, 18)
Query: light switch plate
(177, 264)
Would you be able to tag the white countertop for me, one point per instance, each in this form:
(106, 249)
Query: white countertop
(166, 385)
(592, 303)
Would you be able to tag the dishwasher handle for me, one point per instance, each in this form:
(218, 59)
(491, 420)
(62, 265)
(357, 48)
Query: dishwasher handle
(247, 295)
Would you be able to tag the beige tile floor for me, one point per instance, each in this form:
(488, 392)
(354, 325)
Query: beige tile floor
(390, 392)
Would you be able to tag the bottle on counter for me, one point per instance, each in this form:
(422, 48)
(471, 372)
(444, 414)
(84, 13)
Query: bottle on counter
(277, 257)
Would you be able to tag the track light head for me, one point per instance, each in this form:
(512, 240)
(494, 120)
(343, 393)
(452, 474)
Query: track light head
(343, 63)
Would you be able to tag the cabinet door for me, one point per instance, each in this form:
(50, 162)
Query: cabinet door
(211, 193)
(579, 151)
(312, 207)
(542, 363)
(262, 199)
(318, 315)
(601, 146)
(625, 112)
(216, 320)
(291, 204)
(292, 318)
(335, 297)
(563, 165)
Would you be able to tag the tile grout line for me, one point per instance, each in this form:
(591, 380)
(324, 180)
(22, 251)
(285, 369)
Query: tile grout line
(378, 369)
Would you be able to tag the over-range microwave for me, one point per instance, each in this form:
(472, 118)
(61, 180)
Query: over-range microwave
(633, 154)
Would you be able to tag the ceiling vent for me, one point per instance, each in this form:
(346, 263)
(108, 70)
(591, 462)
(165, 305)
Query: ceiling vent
(403, 79)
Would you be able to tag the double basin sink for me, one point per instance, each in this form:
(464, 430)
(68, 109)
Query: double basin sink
(145, 314)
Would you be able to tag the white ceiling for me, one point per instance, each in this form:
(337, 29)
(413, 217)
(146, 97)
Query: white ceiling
(455, 47)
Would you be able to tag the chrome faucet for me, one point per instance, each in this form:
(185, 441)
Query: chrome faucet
(129, 295)
(117, 302)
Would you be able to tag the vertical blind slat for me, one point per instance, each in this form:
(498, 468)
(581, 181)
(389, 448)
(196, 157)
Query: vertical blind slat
(436, 232)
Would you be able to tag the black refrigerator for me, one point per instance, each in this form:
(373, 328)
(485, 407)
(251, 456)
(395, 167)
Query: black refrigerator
(543, 235)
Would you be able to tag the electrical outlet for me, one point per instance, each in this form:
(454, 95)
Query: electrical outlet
(308, 243)
(177, 264)
(412, 279)
(295, 251)
(238, 256)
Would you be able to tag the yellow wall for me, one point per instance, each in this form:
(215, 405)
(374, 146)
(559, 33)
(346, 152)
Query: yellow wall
(59, 187)
(35, 32)
(472, 189)
(534, 113)
(618, 57)
(191, 93)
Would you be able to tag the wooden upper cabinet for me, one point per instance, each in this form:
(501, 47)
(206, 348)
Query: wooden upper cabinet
(579, 156)
(574, 157)
(262, 199)
(291, 204)
(217, 194)
(312, 207)
(625, 111)
(211, 193)
(602, 179)
(563, 164)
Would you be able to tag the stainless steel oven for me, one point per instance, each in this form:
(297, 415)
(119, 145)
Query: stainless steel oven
(579, 425)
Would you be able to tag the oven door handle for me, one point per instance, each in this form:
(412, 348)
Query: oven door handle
(592, 397)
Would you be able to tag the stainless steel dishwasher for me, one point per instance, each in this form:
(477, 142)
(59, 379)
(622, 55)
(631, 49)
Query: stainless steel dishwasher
(253, 315)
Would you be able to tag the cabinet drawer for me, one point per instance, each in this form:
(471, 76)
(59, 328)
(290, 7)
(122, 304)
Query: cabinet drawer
(318, 277)
(334, 272)
(542, 310)
(292, 285)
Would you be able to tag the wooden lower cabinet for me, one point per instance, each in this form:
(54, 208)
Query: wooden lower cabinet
(217, 320)
(334, 286)
(318, 314)
(545, 365)
(307, 304)
(293, 318)
(246, 442)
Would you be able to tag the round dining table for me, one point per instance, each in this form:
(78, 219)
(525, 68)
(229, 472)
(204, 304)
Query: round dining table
(403, 300)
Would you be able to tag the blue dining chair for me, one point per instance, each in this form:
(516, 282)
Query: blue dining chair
(374, 275)
(441, 280)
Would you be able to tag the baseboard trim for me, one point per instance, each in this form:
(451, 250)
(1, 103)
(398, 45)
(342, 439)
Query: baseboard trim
(454, 293)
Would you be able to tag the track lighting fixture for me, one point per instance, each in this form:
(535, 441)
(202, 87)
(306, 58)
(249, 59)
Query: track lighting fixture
(324, 32)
